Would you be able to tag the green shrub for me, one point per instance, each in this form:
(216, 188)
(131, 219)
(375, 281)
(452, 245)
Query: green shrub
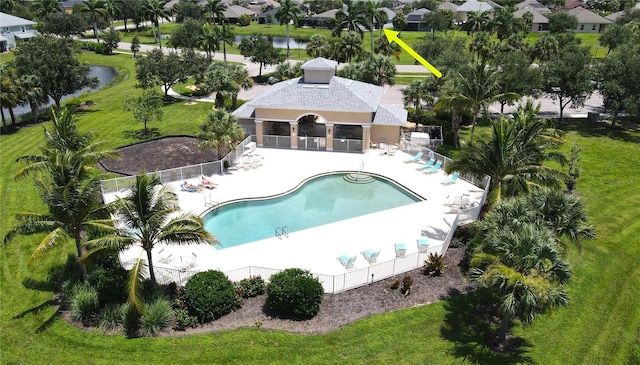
(407, 284)
(111, 284)
(244, 20)
(210, 295)
(434, 265)
(157, 316)
(84, 304)
(113, 316)
(183, 320)
(251, 287)
(295, 291)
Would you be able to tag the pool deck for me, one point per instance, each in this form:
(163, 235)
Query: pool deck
(316, 249)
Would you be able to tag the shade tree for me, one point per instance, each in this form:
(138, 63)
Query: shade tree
(260, 50)
(146, 108)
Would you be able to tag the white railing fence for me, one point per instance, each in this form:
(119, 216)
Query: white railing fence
(332, 284)
(181, 173)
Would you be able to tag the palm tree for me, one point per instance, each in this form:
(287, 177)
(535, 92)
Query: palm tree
(351, 45)
(221, 131)
(215, 10)
(11, 95)
(514, 155)
(504, 22)
(69, 184)
(34, 95)
(477, 21)
(353, 19)
(226, 37)
(399, 22)
(417, 94)
(146, 216)
(317, 46)
(374, 15)
(477, 89)
(96, 10)
(526, 271)
(44, 8)
(209, 39)
(287, 13)
(155, 10)
(112, 8)
(482, 46)
(240, 77)
(545, 47)
(563, 213)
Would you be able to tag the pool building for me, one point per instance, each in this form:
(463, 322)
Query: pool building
(321, 111)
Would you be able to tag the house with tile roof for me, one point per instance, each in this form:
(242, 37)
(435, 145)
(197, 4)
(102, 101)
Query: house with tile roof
(233, 12)
(471, 5)
(415, 20)
(448, 6)
(321, 111)
(588, 21)
(540, 22)
(534, 5)
(14, 30)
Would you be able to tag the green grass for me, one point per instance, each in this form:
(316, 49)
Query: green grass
(599, 327)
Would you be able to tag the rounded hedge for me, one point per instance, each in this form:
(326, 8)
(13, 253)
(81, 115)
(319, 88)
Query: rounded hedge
(295, 291)
(210, 295)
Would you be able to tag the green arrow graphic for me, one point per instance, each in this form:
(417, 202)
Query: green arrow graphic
(392, 36)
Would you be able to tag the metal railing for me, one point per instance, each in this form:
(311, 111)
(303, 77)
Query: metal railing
(276, 141)
(347, 145)
(312, 143)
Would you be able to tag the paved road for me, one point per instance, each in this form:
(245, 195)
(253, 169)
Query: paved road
(393, 94)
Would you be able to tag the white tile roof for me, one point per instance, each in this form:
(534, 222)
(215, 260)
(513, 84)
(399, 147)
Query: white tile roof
(7, 20)
(390, 115)
(537, 17)
(320, 63)
(474, 5)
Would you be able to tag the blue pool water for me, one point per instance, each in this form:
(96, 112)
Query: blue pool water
(321, 200)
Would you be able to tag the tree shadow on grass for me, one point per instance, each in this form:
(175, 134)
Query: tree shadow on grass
(467, 327)
(141, 134)
(586, 128)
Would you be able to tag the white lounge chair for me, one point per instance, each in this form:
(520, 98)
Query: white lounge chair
(401, 249)
(434, 168)
(414, 158)
(347, 261)
(427, 165)
(370, 255)
(451, 179)
(423, 244)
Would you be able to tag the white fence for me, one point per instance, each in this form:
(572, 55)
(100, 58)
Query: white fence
(331, 283)
(181, 173)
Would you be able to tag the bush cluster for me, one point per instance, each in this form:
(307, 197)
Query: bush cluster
(295, 291)
(251, 287)
(209, 295)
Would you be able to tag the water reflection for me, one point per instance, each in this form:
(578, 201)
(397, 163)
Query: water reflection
(104, 75)
(278, 42)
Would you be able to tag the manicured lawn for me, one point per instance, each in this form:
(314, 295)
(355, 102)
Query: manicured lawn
(599, 327)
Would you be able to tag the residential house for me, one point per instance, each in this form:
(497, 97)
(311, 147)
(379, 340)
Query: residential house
(321, 20)
(234, 12)
(471, 5)
(614, 16)
(415, 20)
(540, 22)
(67, 6)
(588, 21)
(534, 5)
(321, 111)
(448, 6)
(14, 30)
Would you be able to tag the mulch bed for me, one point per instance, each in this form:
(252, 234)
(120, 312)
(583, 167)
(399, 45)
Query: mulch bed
(336, 310)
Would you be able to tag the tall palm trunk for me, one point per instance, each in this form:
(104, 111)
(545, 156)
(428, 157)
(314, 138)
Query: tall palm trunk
(80, 252)
(224, 50)
(152, 275)
(456, 119)
(288, 52)
(504, 326)
(95, 31)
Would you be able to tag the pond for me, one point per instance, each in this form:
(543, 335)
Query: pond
(104, 75)
(278, 42)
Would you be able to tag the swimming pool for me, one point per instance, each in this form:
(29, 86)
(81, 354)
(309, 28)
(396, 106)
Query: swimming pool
(320, 200)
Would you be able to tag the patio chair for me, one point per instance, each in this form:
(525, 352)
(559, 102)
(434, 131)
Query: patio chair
(190, 188)
(427, 165)
(414, 158)
(207, 183)
(451, 179)
(347, 261)
(423, 244)
(370, 255)
(434, 168)
(401, 249)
